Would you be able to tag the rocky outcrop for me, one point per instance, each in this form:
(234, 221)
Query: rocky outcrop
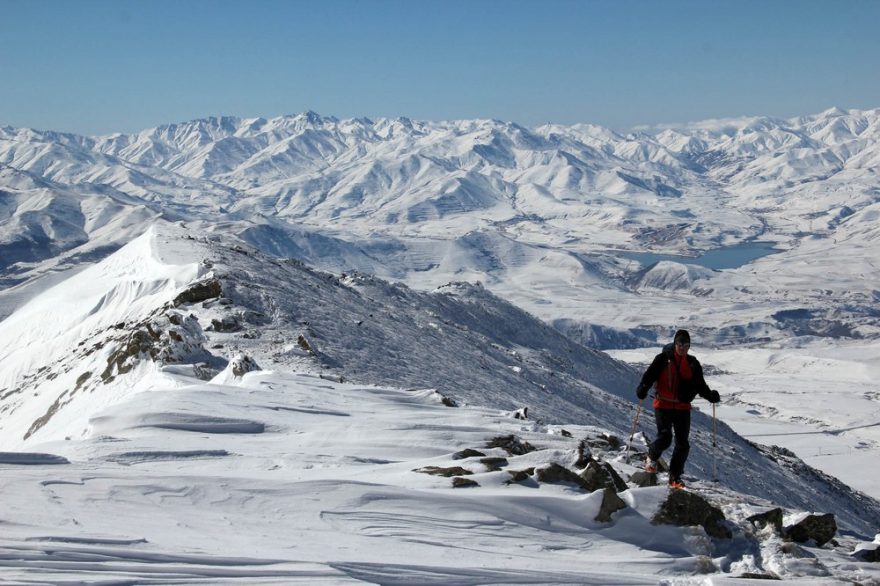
(819, 528)
(198, 292)
(447, 472)
(600, 475)
(556, 474)
(868, 552)
(643, 479)
(512, 445)
(467, 453)
(243, 364)
(459, 482)
(493, 464)
(772, 518)
(685, 509)
(611, 503)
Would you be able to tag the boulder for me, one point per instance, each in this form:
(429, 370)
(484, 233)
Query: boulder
(242, 364)
(467, 453)
(459, 482)
(556, 474)
(493, 464)
(512, 444)
(773, 518)
(611, 503)
(684, 508)
(447, 472)
(599, 475)
(520, 475)
(199, 292)
(227, 324)
(819, 528)
(868, 552)
(584, 455)
(643, 479)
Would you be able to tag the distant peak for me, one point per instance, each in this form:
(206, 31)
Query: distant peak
(833, 111)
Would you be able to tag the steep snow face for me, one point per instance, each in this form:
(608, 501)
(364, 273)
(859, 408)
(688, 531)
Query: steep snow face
(57, 346)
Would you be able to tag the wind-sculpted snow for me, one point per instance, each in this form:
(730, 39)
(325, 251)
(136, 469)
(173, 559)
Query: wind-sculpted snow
(31, 459)
(320, 498)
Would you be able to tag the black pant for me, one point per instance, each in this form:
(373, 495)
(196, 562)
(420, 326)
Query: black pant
(669, 421)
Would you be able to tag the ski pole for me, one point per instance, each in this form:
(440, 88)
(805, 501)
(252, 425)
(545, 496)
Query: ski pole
(714, 446)
(633, 430)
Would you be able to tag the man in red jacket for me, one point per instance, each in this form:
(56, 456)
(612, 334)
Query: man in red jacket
(679, 379)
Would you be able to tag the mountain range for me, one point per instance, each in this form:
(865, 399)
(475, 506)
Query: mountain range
(539, 216)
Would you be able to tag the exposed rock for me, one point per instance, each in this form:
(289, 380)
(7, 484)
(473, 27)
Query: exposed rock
(773, 518)
(605, 441)
(82, 379)
(305, 345)
(868, 552)
(243, 364)
(512, 444)
(756, 576)
(204, 371)
(467, 453)
(602, 475)
(448, 401)
(522, 413)
(684, 508)
(123, 359)
(227, 324)
(611, 503)
(584, 455)
(556, 474)
(459, 482)
(447, 472)
(819, 528)
(493, 464)
(256, 318)
(198, 292)
(521, 475)
(565, 433)
(643, 479)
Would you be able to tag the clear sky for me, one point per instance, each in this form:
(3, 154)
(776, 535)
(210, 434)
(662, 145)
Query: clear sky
(102, 66)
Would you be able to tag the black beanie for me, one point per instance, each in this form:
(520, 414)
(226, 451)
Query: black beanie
(682, 336)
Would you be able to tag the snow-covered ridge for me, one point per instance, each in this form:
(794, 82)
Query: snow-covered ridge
(152, 305)
(209, 435)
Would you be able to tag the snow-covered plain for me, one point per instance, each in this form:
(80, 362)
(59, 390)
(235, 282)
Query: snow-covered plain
(538, 216)
(183, 461)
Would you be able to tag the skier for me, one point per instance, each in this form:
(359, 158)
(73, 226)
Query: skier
(679, 379)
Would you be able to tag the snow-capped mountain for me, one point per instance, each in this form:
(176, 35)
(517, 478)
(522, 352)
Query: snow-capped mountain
(535, 214)
(191, 408)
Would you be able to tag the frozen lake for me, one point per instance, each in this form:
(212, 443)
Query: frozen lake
(727, 257)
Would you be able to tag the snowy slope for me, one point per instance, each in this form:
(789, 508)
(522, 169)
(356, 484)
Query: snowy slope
(166, 464)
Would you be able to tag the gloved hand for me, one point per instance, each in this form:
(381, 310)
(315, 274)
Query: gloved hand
(641, 392)
(714, 397)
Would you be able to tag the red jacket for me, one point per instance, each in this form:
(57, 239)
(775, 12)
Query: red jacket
(678, 379)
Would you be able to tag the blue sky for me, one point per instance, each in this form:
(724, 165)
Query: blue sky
(96, 67)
